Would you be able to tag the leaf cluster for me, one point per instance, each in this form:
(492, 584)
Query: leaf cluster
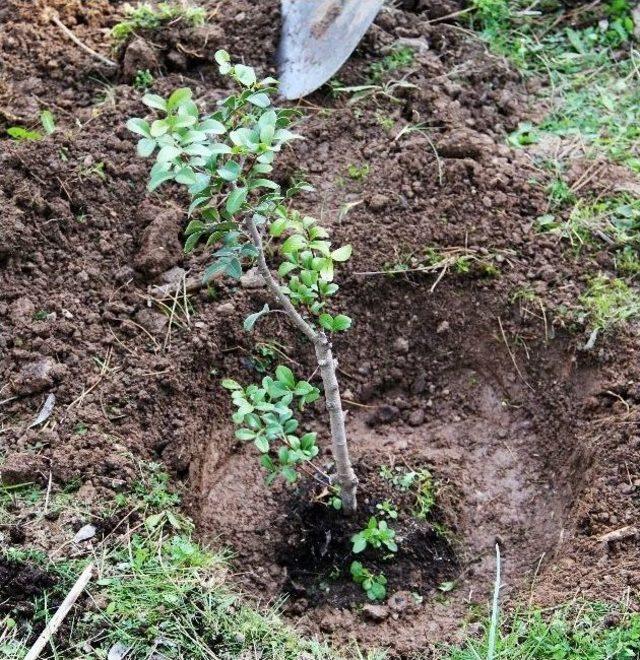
(375, 535)
(375, 586)
(224, 159)
(265, 417)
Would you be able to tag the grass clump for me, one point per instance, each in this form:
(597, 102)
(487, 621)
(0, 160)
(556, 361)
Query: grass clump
(594, 632)
(146, 16)
(614, 221)
(606, 304)
(157, 592)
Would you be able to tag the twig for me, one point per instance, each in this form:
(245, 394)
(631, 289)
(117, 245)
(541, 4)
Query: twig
(48, 495)
(491, 647)
(105, 60)
(56, 620)
(513, 359)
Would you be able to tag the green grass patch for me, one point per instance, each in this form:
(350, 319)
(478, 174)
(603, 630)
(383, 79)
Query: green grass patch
(146, 16)
(592, 632)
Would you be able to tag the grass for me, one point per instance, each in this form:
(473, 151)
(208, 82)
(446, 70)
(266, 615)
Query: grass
(157, 593)
(607, 303)
(612, 221)
(593, 95)
(146, 16)
(593, 631)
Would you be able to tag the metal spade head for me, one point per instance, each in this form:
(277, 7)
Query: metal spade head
(317, 38)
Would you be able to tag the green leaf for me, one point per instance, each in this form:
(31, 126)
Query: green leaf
(341, 322)
(277, 227)
(359, 543)
(48, 122)
(265, 183)
(262, 444)
(245, 434)
(341, 254)
(154, 101)
(159, 127)
(20, 133)
(146, 147)
(230, 171)
(230, 384)
(212, 126)
(168, 153)
(192, 241)
(222, 57)
(186, 176)
(250, 321)
(158, 178)
(260, 99)
(326, 321)
(294, 243)
(244, 74)
(286, 267)
(290, 474)
(236, 199)
(220, 148)
(285, 376)
(178, 97)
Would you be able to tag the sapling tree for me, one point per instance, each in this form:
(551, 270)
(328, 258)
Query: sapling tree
(224, 159)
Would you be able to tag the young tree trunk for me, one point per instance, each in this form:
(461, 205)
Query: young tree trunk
(346, 477)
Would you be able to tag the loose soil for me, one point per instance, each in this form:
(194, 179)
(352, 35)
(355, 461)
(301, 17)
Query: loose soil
(533, 443)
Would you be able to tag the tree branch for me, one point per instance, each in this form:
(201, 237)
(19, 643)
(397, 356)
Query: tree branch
(347, 479)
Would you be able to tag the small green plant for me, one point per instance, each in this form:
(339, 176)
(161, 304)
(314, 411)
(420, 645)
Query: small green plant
(146, 16)
(388, 509)
(358, 172)
(398, 58)
(20, 133)
(376, 534)
(375, 586)
(224, 159)
(143, 80)
(418, 481)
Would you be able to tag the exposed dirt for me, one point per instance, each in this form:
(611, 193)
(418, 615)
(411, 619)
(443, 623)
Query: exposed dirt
(534, 443)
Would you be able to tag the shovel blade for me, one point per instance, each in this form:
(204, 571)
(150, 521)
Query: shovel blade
(317, 38)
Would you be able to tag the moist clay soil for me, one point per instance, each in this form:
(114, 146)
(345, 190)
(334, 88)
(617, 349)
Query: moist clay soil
(532, 443)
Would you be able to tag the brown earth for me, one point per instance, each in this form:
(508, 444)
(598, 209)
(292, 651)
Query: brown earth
(533, 442)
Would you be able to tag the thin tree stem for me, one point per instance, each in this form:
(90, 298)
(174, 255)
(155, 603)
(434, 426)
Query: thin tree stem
(346, 477)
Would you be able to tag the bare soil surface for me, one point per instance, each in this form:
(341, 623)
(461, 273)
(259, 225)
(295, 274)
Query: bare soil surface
(533, 443)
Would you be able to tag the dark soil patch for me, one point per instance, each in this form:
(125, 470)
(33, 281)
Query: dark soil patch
(317, 549)
(21, 583)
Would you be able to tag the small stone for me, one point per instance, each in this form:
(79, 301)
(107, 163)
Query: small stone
(375, 613)
(21, 309)
(154, 322)
(173, 275)
(400, 601)
(22, 467)
(252, 280)
(37, 376)
(85, 533)
(139, 56)
(416, 418)
(442, 327)
(225, 309)
(401, 345)
(383, 414)
(378, 202)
